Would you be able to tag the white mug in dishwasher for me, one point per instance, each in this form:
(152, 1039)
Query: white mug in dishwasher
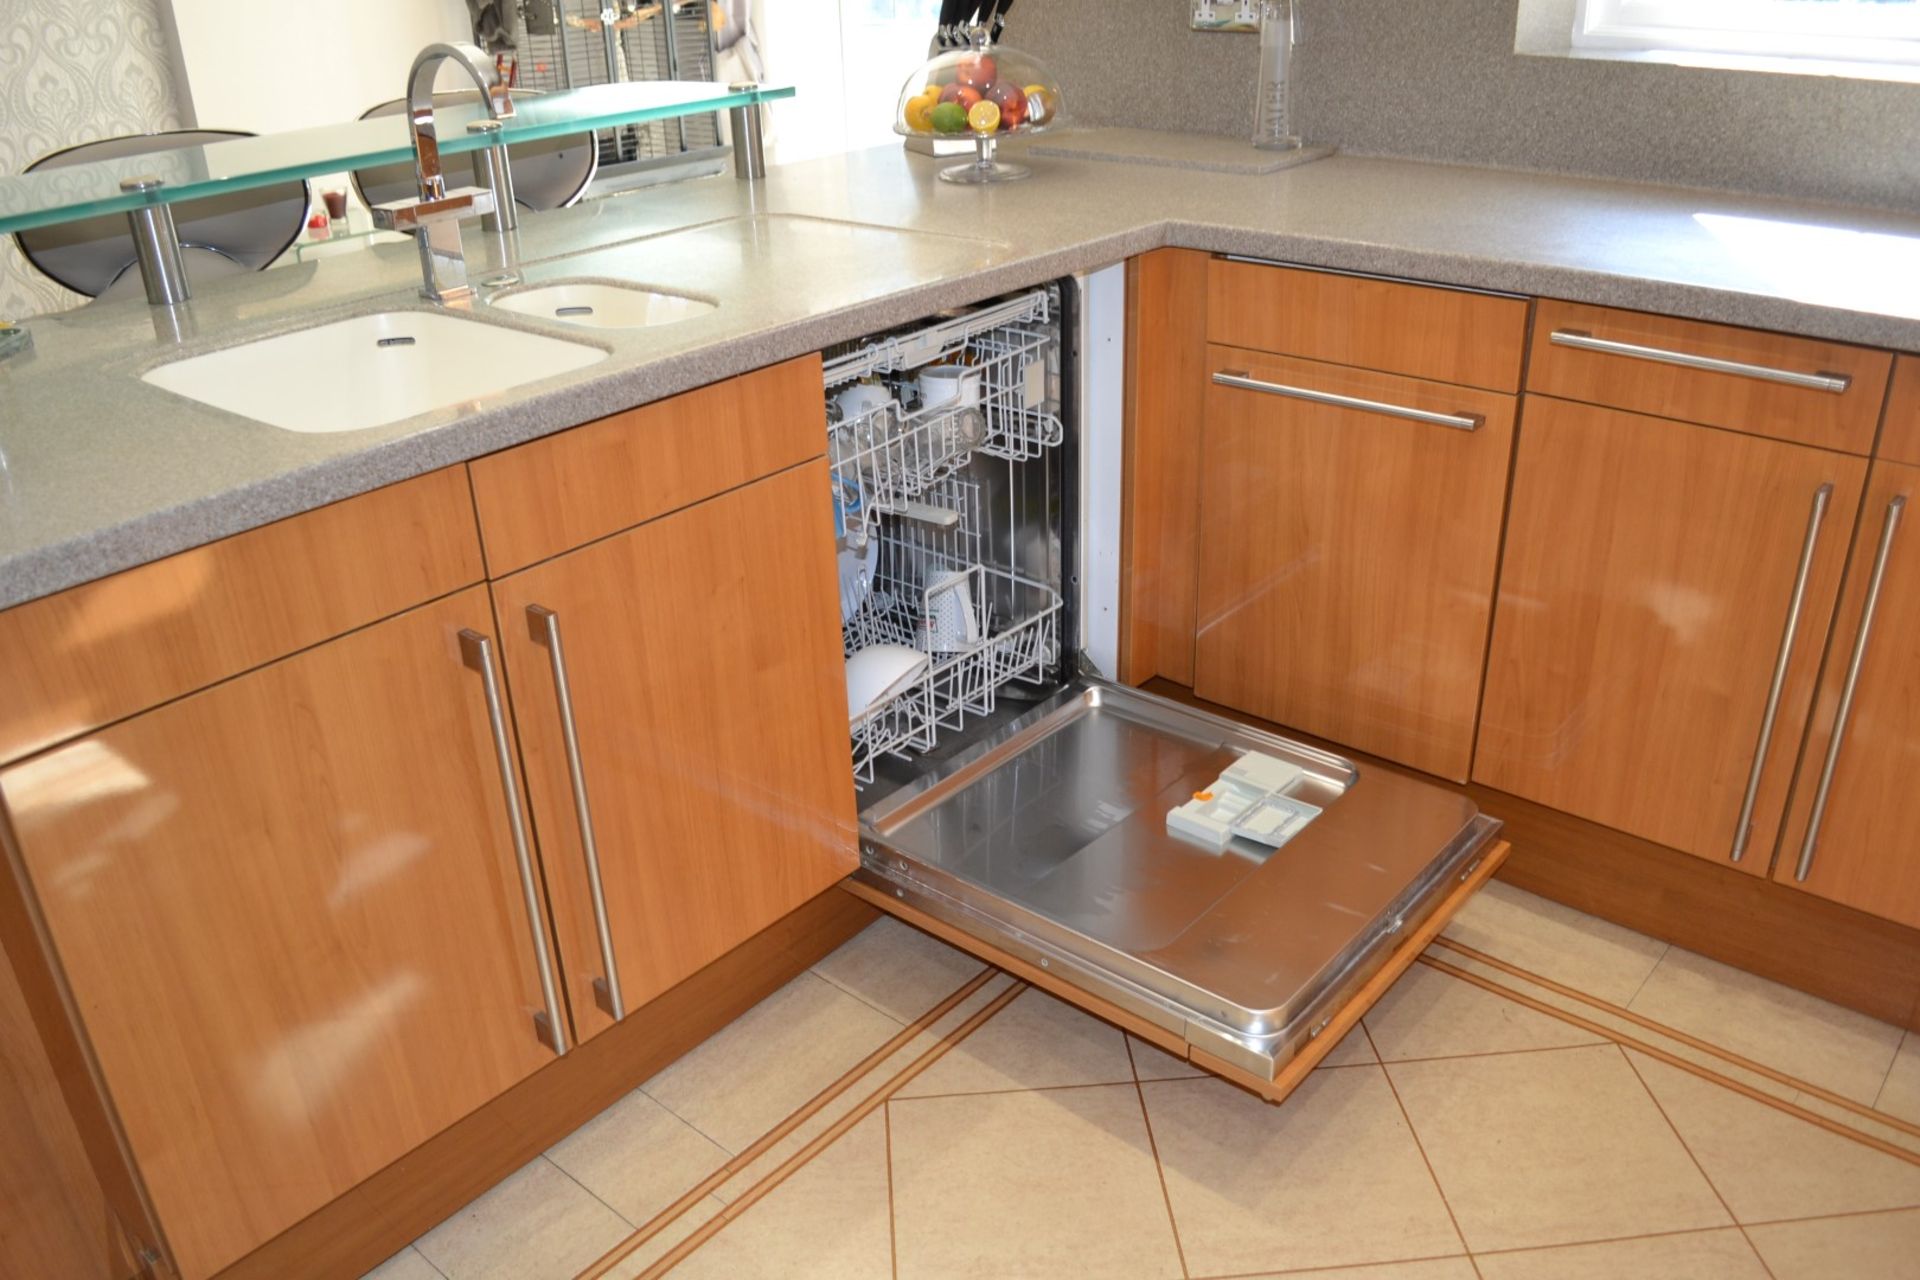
(944, 384)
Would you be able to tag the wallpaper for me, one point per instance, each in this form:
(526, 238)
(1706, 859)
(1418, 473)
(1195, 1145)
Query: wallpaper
(72, 71)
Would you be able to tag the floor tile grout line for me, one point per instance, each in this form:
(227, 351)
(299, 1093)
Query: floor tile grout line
(1893, 1062)
(431, 1265)
(994, 1093)
(1453, 1219)
(731, 1153)
(893, 1228)
(1686, 1038)
(1338, 1266)
(1490, 1053)
(565, 1173)
(1159, 1170)
(706, 1231)
(1758, 1257)
(1674, 1060)
(1831, 1217)
(767, 1141)
(849, 991)
(1576, 1244)
(1652, 969)
(1679, 1137)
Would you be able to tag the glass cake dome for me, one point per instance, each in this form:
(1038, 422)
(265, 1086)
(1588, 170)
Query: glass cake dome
(981, 94)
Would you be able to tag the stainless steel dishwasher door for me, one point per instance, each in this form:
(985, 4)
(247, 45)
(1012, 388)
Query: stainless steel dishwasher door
(1049, 841)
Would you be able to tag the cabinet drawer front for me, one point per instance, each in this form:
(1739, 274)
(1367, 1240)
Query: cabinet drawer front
(1649, 577)
(106, 650)
(1900, 439)
(1347, 555)
(1447, 335)
(703, 680)
(1861, 851)
(1765, 384)
(289, 913)
(563, 491)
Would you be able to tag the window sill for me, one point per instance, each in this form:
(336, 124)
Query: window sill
(1901, 73)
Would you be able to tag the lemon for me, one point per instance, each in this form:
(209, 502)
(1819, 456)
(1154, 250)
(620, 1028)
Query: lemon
(984, 117)
(919, 115)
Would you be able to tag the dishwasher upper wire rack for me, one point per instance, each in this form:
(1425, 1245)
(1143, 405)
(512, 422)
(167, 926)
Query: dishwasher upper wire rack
(889, 454)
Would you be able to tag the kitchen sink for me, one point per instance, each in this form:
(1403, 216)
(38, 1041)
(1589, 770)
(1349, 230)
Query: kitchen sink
(370, 370)
(601, 305)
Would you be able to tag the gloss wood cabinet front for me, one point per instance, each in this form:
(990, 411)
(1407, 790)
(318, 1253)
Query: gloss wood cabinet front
(1854, 825)
(1663, 607)
(292, 916)
(1349, 535)
(678, 695)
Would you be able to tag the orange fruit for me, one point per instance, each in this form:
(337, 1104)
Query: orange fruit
(984, 116)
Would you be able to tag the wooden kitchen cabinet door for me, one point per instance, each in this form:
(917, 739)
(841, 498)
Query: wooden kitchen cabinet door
(1865, 850)
(1649, 576)
(1347, 557)
(706, 680)
(290, 914)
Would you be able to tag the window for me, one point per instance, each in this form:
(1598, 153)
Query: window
(1833, 31)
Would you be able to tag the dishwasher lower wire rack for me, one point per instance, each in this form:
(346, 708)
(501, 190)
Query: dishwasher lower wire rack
(985, 626)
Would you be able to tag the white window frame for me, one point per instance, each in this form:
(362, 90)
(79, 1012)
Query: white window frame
(1840, 31)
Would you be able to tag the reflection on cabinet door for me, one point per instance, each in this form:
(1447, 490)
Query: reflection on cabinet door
(1347, 555)
(1854, 827)
(1663, 604)
(704, 708)
(291, 917)
(54, 1219)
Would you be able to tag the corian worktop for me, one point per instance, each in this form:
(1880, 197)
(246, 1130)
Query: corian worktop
(100, 471)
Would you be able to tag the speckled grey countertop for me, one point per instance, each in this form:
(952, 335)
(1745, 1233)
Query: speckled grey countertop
(100, 471)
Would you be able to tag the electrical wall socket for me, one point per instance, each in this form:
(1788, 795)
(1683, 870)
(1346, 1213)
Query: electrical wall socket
(1226, 15)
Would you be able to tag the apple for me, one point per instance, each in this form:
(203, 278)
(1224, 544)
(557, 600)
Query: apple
(977, 69)
(1012, 101)
(964, 94)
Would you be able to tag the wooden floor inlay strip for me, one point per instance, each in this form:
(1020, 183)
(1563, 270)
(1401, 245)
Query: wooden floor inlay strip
(767, 1141)
(1704, 1046)
(1673, 1060)
(759, 1190)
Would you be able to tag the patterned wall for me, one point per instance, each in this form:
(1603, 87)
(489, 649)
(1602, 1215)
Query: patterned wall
(72, 71)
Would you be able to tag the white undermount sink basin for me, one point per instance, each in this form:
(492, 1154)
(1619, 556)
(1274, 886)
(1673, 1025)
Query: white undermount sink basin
(601, 305)
(370, 370)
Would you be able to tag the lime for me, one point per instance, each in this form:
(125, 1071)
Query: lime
(949, 117)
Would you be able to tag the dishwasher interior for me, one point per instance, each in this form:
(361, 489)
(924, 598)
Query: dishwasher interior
(1228, 886)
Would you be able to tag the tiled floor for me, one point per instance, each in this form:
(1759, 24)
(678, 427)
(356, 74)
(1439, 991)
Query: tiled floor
(1544, 1097)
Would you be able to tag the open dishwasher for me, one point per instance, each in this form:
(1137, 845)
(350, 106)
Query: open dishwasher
(1235, 897)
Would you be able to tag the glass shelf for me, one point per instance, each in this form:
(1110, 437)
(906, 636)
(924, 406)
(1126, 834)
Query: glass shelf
(85, 190)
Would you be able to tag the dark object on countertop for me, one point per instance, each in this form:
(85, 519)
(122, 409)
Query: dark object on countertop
(492, 25)
(959, 17)
(14, 340)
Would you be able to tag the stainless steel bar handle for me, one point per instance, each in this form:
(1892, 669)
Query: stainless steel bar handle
(1575, 338)
(1847, 690)
(1239, 378)
(546, 624)
(477, 650)
(1743, 830)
